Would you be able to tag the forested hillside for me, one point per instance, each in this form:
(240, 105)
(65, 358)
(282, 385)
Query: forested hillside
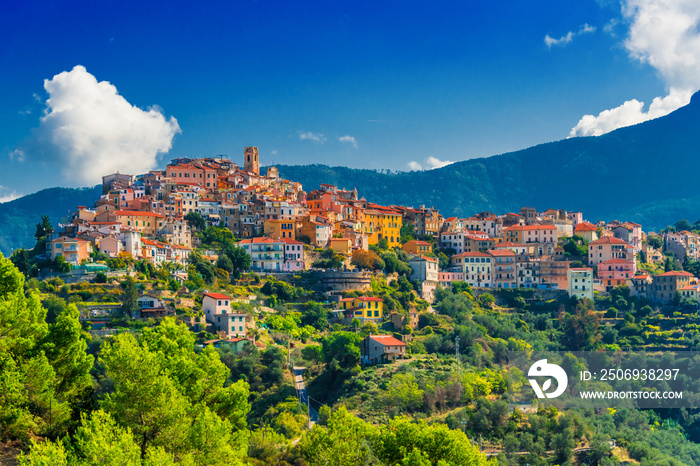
(19, 217)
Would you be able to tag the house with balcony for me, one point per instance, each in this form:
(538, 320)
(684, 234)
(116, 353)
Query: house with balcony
(378, 349)
(609, 247)
(266, 254)
(73, 250)
(476, 267)
(503, 268)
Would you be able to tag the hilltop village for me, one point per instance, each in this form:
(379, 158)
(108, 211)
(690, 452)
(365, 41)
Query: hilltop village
(279, 225)
(212, 301)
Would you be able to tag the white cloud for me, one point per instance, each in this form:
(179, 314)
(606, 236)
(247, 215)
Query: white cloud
(630, 113)
(609, 28)
(665, 35)
(348, 140)
(568, 37)
(563, 40)
(429, 164)
(308, 135)
(90, 130)
(17, 154)
(6, 195)
(274, 152)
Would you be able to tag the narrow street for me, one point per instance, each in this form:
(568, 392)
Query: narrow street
(300, 386)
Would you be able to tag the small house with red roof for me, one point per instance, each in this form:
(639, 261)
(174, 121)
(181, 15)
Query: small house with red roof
(640, 285)
(378, 349)
(217, 311)
(417, 247)
(587, 231)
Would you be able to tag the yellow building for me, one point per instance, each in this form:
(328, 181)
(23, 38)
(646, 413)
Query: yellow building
(341, 245)
(148, 223)
(417, 247)
(383, 222)
(280, 228)
(363, 307)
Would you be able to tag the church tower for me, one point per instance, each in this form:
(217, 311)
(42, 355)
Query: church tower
(251, 162)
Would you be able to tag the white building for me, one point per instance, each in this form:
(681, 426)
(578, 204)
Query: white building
(217, 311)
(580, 282)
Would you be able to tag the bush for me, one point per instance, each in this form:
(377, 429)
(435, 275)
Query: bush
(101, 277)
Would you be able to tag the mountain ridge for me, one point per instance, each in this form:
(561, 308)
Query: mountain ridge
(642, 173)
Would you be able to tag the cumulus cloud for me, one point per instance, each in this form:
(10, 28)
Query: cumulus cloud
(568, 37)
(6, 195)
(665, 35)
(308, 135)
(90, 130)
(630, 113)
(348, 140)
(428, 164)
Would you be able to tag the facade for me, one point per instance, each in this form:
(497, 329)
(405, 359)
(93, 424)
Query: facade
(217, 311)
(447, 278)
(587, 231)
(73, 250)
(477, 269)
(280, 229)
(504, 269)
(147, 223)
(417, 247)
(665, 285)
(378, 349)
(580, 282)
(265, 254)
(293, 255)
(607, 248)
(363, 308)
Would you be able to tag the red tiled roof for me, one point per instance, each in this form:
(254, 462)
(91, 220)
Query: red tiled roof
(675, 274)
(418, 242)
(609, 240)
(387, 340)
(259, 240)
(615, 261)
(217, 296)
(137, 213)
(502, 252)
(472, 254)
(585, 226)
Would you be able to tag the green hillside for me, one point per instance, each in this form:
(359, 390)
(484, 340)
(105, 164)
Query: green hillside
(19, 217)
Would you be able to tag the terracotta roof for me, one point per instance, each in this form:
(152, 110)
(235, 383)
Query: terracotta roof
(472, 254)
(137, 213)
(370, 298)
(675, 274)
(585, 226)
(451, 219)
(418, 242)
(615, 261)
(387, 340)
(217, 296)
(502, 252)
(259, 240)
(609, 240)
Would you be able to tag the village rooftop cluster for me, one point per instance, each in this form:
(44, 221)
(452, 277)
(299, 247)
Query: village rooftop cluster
(278, 224)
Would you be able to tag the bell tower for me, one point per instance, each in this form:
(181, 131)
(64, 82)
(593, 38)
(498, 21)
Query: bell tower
(251, 162)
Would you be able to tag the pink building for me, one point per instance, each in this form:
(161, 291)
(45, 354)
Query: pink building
(615, 269)
(446, 278)
(293, 255)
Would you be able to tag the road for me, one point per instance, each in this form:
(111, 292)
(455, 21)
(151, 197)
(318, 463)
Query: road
(300, 385)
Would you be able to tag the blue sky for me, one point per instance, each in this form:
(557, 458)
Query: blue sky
(381, 84)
